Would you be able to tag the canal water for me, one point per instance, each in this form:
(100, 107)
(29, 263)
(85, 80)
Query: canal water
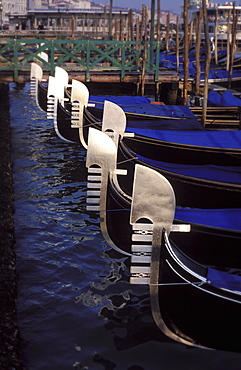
(76, 308)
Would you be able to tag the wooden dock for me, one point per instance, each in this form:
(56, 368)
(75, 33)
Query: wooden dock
(225, 118)
(104, 75)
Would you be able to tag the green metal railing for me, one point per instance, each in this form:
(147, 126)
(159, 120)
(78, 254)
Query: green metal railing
(84, 55)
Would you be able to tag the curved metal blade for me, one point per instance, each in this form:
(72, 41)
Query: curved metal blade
(114, 121)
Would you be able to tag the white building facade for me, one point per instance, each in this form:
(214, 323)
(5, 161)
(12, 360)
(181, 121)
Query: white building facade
(20, 7)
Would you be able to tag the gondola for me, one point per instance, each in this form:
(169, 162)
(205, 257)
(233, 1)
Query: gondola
(38, 88)
(43, 89)
(179, 287)
(212, 230)
(177, 117)
(221, 148)
(218, 73)
(70, 121)
(194, 304)
(67, 121)
(142, 108)
(206, 186)
(66, 128)
(195, 186)
(136, 108)
(191, 147)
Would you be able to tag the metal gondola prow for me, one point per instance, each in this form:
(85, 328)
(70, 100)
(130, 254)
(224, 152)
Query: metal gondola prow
(79, 100)
(101, 163)
(36, 76)
(153, 200)
(62, 74)
(114, 122)
(153, 205)
(55, 93)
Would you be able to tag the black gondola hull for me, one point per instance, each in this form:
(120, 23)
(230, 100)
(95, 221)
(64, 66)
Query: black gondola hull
(42, 96)
(192, 313)
(180, 153)
(207, 245)
(189, 191)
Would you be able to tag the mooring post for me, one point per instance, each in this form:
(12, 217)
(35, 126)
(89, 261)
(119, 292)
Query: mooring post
(110, 19)
(156, 91)
(197, 49)
(186, 48)
(143, 72)
(207, 63)
(228, 40)
(177, 42)
(239, 117)
(158, 20)
(233, 45)
(216, 36)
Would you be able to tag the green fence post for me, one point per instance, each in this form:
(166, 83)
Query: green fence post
(88, 48)
(52, 58)
(123, 59)
(148, 57)
(15, 60)
(157, 60)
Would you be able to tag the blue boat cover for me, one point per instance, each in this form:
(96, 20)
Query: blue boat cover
(237, 56)
(229, 100)
(214, 99)
(224, 280)
(143, 106)
(228, 218)
(120, 100)
(170, 60)
(169, 111)
(223, 74)
(216, 72)
(227, 174)
(210, 139)
(182, 124)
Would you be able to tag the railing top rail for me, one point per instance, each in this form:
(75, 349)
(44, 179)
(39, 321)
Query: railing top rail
(78, 41)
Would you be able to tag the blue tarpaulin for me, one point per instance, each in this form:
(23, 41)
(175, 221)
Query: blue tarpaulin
(228, 218)
(143, 106)
(229, 139)
(227, 174)
(181, 124)
(214, 99)
(120, 100)
(229, 100)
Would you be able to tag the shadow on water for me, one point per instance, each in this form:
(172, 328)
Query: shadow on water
(76, 308)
